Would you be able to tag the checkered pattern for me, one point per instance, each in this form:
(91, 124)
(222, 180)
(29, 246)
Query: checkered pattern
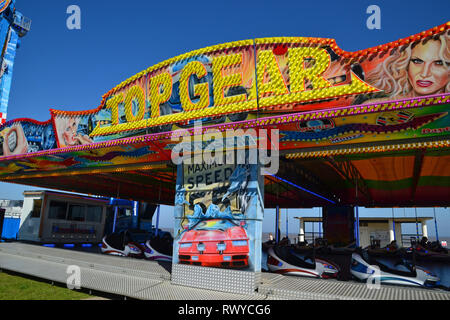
(2, 118)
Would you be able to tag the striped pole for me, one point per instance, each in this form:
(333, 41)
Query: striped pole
(435, 225)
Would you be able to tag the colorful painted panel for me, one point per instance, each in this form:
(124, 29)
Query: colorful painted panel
(26, 136)
(294, 72)
(225, 83)
(72, 131)
(218, 216)
(206, 84)
(99, 158)
(370, 127)
(245, 83)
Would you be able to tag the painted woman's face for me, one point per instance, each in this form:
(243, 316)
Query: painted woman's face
(427, 72)
(70, 132)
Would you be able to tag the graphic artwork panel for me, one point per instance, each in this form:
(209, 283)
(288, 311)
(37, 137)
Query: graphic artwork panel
(218, 216)
(253, 79)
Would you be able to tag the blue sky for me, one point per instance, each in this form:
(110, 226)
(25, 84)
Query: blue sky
(71, 69)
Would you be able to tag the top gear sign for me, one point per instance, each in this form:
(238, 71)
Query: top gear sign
(266, 76)
(283, 83)
(226, 79)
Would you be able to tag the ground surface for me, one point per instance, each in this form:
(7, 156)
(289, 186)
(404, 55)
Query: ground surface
(14, 287)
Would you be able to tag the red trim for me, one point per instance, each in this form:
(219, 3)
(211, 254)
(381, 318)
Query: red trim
(40, 123)
(110, 251)
(283, 271)
(52, 119)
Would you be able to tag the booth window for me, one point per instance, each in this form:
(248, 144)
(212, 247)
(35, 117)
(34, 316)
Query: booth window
(76, 213)
(94, 214)
(36, 211)
(125, 212)
(57, 210)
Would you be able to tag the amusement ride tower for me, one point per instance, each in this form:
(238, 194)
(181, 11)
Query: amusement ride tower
(13, 26)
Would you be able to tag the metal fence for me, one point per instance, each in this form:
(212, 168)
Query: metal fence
(409, 239)
(309, 236)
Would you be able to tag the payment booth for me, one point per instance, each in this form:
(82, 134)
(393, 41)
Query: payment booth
(51, 217)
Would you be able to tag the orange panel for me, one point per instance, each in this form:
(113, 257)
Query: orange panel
(386, 169)
(436, 166)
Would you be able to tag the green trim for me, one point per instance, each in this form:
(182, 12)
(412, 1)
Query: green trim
(427, 181)
(389, 185)
(434, 181)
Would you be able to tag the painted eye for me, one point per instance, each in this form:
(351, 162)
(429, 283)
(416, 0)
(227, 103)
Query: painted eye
(416, 61)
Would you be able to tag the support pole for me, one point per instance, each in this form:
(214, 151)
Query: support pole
(158, 210)
(277, 224)
(302, 230)
(313, 232)
(391, 230)
(393, 224)
(424, 228)
(116, 209)
(357, 226)
(435, 225)
(320, 223)
(357, 214)
(157, 220)
(417, 225)
(287, 223)
(135, 218)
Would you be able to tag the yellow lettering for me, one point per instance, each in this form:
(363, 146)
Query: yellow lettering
(201, 89)
(300, 73)
(135, 93)
(113, 104)
(267, 64)
(160, 92)
(307, 66)
(221, 81)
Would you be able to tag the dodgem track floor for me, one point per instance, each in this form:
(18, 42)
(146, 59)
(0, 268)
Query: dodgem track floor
(148, 280)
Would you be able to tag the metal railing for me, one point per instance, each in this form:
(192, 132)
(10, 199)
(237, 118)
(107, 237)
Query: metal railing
(309, 236)
(408, 239)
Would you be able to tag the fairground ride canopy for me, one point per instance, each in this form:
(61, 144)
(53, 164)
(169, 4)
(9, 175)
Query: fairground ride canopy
(369, 127)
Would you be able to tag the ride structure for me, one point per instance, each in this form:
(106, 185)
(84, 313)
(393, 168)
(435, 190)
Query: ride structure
(335, 128)
(13, 26)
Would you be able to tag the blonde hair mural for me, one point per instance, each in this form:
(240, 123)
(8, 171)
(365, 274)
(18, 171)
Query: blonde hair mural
(422, 68)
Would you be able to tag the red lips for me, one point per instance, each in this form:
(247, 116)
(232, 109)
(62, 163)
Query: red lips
(424, 83)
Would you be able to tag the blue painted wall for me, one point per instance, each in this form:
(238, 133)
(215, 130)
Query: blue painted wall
(10, 228)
